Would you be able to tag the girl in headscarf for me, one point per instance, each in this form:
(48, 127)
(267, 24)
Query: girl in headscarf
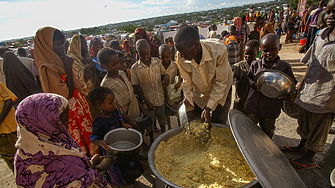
(47, 155)
(58, 76)
(258, 14)
(96, 45)
(140, 33)
(82, 62)
(19, 78)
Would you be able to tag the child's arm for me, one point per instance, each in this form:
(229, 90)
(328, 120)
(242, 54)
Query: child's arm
(130, 120)
(125, 125)
(6, 109)
(103, 143)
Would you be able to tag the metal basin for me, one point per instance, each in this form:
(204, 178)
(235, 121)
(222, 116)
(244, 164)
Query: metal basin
(274, 83)
(125, 144)
(160, 180)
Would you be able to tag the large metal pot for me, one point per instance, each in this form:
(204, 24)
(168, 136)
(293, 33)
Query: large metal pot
(160, 180)
(125, 144)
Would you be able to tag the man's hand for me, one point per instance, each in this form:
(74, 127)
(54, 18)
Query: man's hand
(206, 115)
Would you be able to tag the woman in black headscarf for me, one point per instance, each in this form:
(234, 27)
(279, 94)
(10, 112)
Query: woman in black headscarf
(19, 78)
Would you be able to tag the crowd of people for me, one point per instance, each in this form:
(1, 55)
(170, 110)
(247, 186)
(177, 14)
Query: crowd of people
(56, 106)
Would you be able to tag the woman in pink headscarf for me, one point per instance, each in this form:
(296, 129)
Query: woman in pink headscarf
(140, 33)
(238, 24)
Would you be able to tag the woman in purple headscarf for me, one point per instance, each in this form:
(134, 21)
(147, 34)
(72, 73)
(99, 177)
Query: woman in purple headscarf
(47, 155)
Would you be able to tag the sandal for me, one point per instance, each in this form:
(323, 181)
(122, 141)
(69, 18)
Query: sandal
(288, 149)
(300, 166)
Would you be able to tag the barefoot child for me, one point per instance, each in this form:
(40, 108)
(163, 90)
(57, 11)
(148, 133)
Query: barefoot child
(146, 78)
(316, 95)
(240, 70)
(172, 70)
(7, 126)
(259, 108)
(109, 118)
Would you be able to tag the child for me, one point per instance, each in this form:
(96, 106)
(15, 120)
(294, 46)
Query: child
(259, 108)
(109, 118)
(233, 48)
(290, 32)
(254, 35)
(123, 65)
(172, 70)
(279, 30)
(7, 126)
(240, 70)
(316, 95)
(146, 78)
(117, 81)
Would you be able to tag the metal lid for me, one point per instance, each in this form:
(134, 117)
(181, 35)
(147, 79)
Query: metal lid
(268, 163)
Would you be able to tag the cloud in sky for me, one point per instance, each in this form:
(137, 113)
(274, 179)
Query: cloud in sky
(20, 18)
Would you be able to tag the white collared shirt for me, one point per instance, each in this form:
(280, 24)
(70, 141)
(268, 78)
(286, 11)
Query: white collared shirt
(208, 83)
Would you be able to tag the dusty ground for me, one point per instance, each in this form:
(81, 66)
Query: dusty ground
(285, 134)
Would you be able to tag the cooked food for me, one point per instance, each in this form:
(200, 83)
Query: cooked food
(214, 164)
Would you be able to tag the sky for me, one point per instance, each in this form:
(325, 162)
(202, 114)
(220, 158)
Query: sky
(22, 18)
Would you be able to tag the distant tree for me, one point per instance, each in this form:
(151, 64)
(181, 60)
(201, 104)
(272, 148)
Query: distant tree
(129, 28)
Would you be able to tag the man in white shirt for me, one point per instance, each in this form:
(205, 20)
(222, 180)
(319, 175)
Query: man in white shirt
(207, 75)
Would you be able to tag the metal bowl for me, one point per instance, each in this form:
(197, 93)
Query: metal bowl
(274, 83)
(160, 180)
(125, 144)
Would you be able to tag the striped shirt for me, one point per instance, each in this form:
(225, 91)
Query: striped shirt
(207, 84)
(149, 79)
(172, 71)
(125, 99)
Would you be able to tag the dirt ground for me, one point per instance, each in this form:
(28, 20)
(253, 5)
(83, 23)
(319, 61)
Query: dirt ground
(285, 134)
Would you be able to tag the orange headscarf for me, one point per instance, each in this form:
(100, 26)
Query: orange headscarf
(51, 66)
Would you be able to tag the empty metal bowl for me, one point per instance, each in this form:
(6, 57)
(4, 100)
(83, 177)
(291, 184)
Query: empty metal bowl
(274, 83)
(125, 144)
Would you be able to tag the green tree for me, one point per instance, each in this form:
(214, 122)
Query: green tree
(129, 28)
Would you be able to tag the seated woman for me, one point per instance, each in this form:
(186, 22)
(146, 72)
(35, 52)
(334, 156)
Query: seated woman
(58, 76)
(47, 155)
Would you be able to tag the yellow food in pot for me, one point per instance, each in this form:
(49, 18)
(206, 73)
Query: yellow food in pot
(215, 164)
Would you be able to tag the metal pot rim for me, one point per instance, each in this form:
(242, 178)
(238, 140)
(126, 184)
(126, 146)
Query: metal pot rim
(122, 129)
